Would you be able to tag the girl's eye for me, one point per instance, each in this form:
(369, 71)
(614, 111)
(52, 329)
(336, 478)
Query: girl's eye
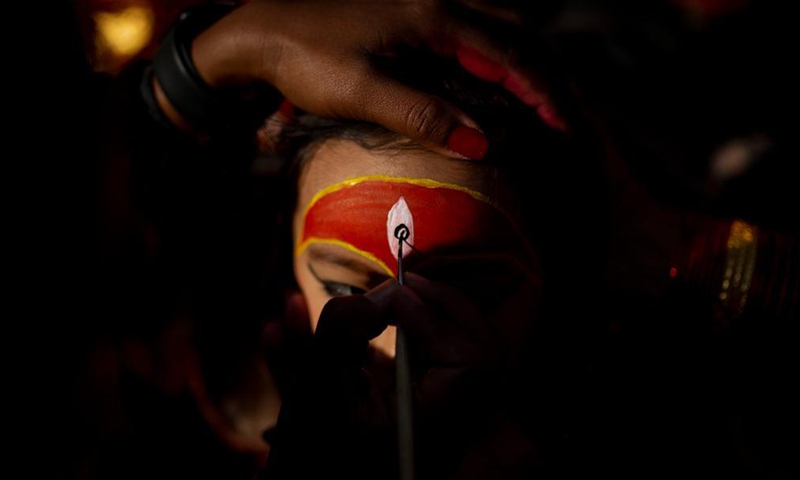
(341, 289)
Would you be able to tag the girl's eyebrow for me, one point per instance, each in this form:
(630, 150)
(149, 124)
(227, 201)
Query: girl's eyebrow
(370, 273)
(314, 273)
(350, 263)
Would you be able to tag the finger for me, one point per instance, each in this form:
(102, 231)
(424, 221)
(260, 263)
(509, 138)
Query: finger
(526, 86)
(422, 117)
(492, 10)
(490, 59)
(453, 303)
(349, 322)
(382, 294)
(431, 333)
(411, 313)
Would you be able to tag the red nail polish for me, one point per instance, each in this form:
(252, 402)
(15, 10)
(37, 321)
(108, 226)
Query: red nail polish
(287, 109)
(550, 117)
(468, 142)
(480, 65)
(523, 90)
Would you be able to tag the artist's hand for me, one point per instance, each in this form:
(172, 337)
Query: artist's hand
(464, 337)
(319, 55)
(460, 351)
(455, 352)
(334, 418)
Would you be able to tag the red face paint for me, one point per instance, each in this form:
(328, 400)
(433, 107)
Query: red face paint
(355, 214)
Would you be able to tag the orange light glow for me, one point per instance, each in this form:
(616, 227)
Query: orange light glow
(126, 32)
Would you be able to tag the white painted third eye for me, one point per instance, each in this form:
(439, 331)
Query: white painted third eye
(399, 213)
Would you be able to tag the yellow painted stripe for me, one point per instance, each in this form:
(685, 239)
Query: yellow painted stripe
(422, 182)
(347, 246)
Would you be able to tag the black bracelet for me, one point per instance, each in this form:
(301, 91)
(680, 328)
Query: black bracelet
(148, 95)
(198, 103)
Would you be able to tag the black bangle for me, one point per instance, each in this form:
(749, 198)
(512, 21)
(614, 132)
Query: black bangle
(199, 104)
(148, 95)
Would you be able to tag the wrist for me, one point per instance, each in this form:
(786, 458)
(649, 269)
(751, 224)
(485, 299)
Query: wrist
(206, 98)
(234, 52)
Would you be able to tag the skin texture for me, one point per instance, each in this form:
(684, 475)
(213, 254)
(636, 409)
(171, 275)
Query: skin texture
(362, 215)
(334, 162)
(320, 56)
(464, 311)
(339, 160)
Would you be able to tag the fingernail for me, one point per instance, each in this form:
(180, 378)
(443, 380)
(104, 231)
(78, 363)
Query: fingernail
(468, 142)
(381, 294)
(550, 116)
(287, 109)
(524, 90)
(480, 65)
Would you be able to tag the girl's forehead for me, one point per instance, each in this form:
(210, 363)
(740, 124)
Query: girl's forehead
(351, 201)
(362, 215)
(336, 161)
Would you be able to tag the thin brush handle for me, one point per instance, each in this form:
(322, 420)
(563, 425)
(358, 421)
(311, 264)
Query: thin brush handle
(404, 430)
(405, 436)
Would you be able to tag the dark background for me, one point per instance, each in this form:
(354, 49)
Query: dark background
(674, 83)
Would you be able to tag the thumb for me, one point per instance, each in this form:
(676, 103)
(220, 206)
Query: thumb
(348, 323)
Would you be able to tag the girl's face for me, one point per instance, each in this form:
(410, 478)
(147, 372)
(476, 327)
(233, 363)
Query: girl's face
(350, 200)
